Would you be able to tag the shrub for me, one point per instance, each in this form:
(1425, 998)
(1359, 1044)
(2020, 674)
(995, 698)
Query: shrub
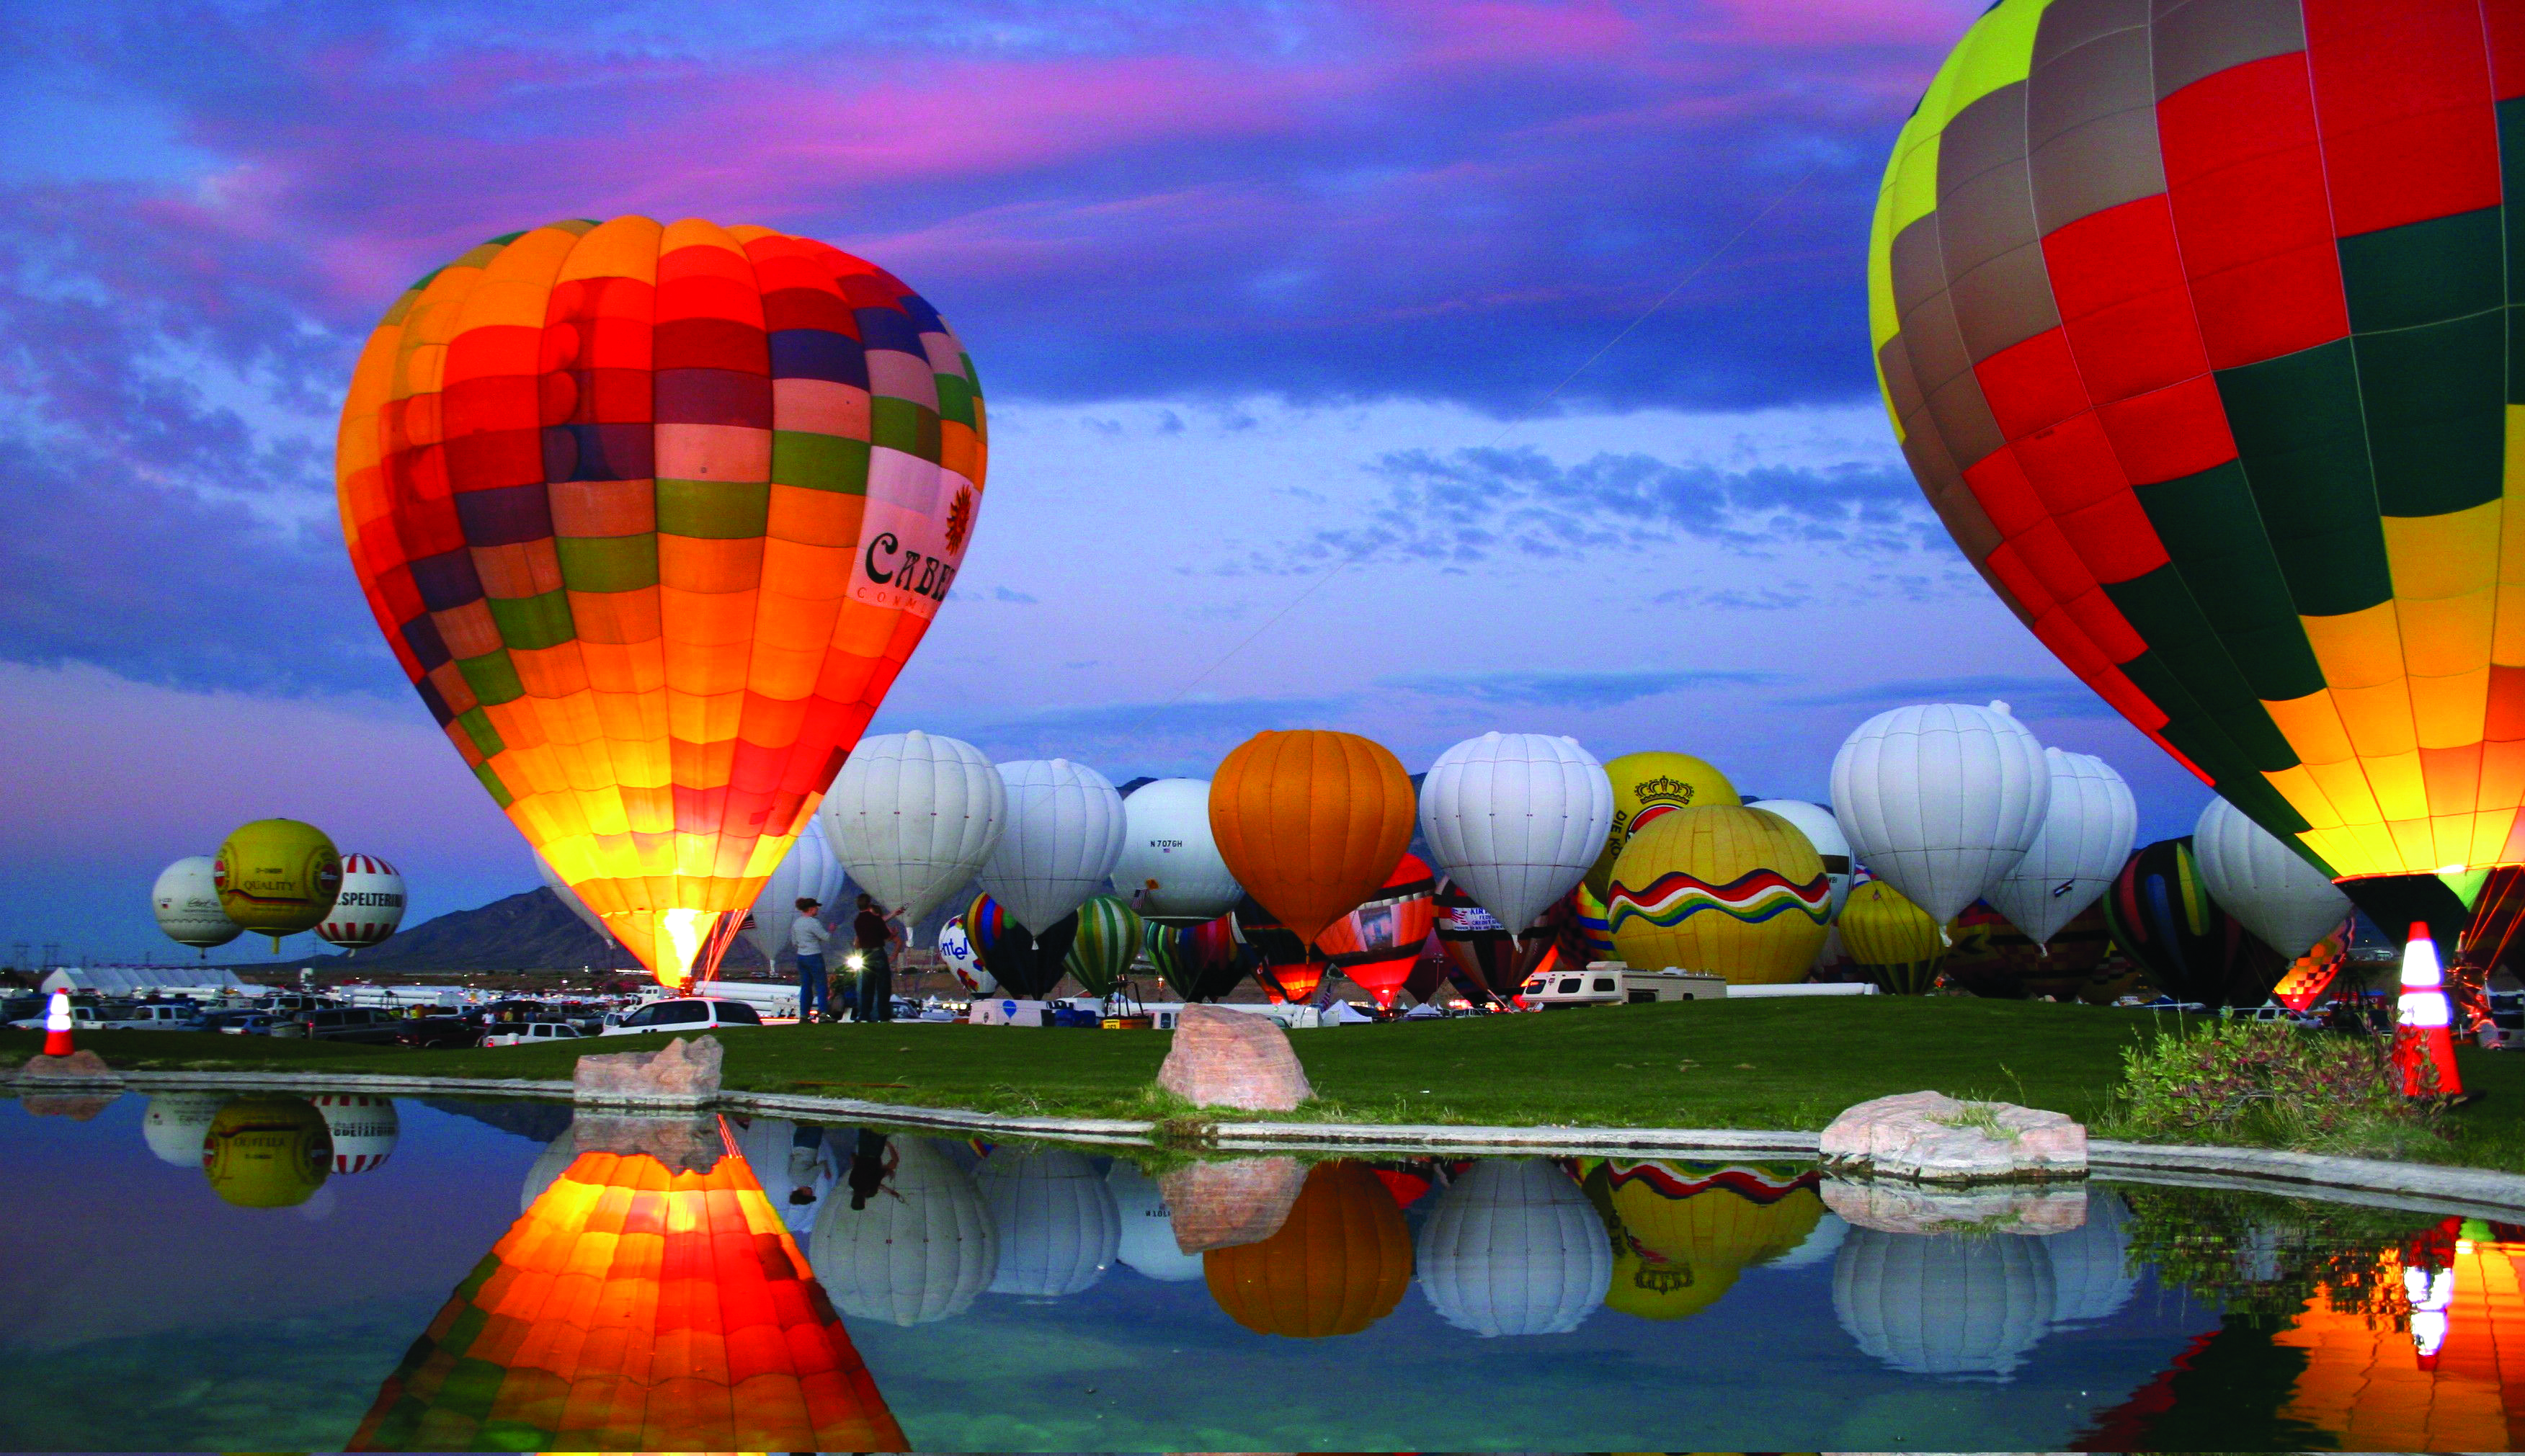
(2266, 1084)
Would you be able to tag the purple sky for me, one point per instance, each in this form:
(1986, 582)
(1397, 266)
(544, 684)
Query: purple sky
(1258, 294)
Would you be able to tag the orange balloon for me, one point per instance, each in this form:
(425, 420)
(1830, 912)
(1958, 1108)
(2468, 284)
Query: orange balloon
(1337, 1266)
(1310, 822)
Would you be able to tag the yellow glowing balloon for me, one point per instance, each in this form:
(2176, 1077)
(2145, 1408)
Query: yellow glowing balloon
(1894, 940)
(277, 876)
(1647, 785)
(1734, 892)
(266, 1151)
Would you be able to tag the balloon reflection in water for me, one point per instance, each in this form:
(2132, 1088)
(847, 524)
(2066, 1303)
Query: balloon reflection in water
(363, 1129)
(1684, 1231)
(2091, 1278)
(1056, 1221)
(909, 1241)
(1148, 1240)
(265, 1151)
(1943, 1305)
(648, 1299)
(792, 1164)
(175, 1124)
(1338, 1264)
(1513, 1248)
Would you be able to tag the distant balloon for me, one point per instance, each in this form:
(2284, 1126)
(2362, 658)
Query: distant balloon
(1148, 1238)
(369, 906)
(913, 817)
(1941, 799)
(1511, 1247)
(808, 872)
(1290, 969)
(1108, 941)
(1892, 941)
(1199, 962)
(1989, 957)
(2086, 838)
(1064, 833)
(2263, 882)
(1517, 818)
(1729, 890)
(265, 1150)
(1311, 823)
(176, 1123)
(2192, 948)
(1647, 785)
(1338, 1264)
(919, 1249)
(276, 877)
(1057, 1224)
(186, 900)
(1171, 870)
(1943, 1305)
(1025, 963)
(964, 963)
(363, 1129)
(1474, 941)
(1822, 831)
(1376, 944)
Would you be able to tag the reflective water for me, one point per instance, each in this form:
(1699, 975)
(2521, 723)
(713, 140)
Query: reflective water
(274, 1272)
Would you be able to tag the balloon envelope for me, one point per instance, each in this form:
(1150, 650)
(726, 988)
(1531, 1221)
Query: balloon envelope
(1943, 1305)
(1729, 890)
(1376, 944)
(1310, 822)
(1647, 785)
(652, 517)
(1170, 868)
(1941, 799)
(1338, 1264)
(363, 1129)
(1892, 941)
(2284, 900)
(369, 907)
(1289, 969)
(1107, 943)
(911, 817)
(2164, 918)
(1477, 946)
(1513, 1247)
(1989, 957)
(1023, 963)
(186, 902)
(964, 961)
(1517, 818)
(1056, 1223)
(2086, 838)
(1065, 832)
(1148, 1238)
(1199, 962)
(918, 1249)
(1684, 1233)
(276, 876)
(1822, 831)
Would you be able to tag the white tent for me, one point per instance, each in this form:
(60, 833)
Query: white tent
(195, 980)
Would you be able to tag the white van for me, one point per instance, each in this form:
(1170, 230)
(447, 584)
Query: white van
(685, 1013)
(1610, 982)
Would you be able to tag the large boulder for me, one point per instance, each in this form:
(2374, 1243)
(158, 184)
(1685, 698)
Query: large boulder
(679, 1074)
(1233, 1059)
(1932, 1138)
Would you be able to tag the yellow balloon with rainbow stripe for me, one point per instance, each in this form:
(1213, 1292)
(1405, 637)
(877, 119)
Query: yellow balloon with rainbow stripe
(1733, 892)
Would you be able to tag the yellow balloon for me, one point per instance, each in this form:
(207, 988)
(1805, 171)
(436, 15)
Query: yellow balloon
(277, 876)
(1734, 892)
(1647, 785)
(1894, 940)
(1685, 1231)
(266, 1151)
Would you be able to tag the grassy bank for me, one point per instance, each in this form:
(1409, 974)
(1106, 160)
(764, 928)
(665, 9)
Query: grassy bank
(1773, 1063)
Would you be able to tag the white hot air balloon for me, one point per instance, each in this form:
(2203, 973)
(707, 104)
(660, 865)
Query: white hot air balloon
(1514, 1248)
(188, 905)
(369, 907)
(2085, 840)
(919, 1249)
(1064, 835)
(1941, 799)
(1171, 870)
(808, 871)
(2090, 1277)
(2280, 898)
(175, 1124)
(1148, 1238)
(1517, 818)
(913, 817)
(1822, 831)
(956, 947)
(548, 1167)
(1943, 1305)
(1055, 1218)
(364, 1129)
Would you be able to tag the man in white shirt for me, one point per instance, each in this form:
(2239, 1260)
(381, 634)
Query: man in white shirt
(808, 937)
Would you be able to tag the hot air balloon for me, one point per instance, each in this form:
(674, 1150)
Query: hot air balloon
(557, 1154)
(1684, 1233)
(1199, 962)
(809, 871)
(1892, 941)
(2086, 838)
(913, 817)
(964, 961)
(2091, 1278)
(1478, 946)
(186, 902)
(1108, 941)
(1587, 935)
(1513, 1248)
(1289, 968)
(1822, 831)
(369, 907)
(1148, 1238)
(266, 1151)
(2193, 330)
(1647, 785)
(1941, 799)
(2280, 898)
(1065, 832)
(792, 1163)
(361, 1130)
(1056, 1220)
(1376, 944)
(652, 517)
(1023, 963)
(1989, 957)
(1733, 892)
(276, 877)
(1337, 1265)
(1517, 818)
(918, 1249)
(175, 1125)
(2162, 917)
(1943, 1305)
(1171, 870)
(1311, 823)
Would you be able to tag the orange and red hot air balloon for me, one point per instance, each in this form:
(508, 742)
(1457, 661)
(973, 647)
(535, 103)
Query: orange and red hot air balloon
(652, 516)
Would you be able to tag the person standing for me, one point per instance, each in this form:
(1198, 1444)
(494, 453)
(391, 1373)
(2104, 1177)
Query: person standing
(875, 938)
(808, 937)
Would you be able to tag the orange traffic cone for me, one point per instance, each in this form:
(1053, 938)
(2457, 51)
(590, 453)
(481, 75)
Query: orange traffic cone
(57, 1026)
(2423, 1046)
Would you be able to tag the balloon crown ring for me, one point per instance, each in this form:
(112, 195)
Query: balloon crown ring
(1663, 788)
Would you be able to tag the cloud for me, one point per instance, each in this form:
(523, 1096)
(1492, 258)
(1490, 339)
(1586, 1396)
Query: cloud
(2061, 697)
(1787, 597)
(1574, 690)
(1004, 593)
(1125, 739)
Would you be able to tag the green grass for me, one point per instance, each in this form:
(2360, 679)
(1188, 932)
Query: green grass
(1773, 1063)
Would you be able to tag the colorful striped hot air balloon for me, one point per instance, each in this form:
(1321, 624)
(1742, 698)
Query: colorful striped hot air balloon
(1199, 962)
(2193, 325)
(1734, 892)
(1376, 944)
(2162, 917)
(1108, 940)
(1890, 939)
(652, 517)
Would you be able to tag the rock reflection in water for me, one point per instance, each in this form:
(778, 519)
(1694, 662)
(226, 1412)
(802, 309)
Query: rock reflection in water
(649, 1298)
(1238, 1200)
(1511, 1247)
(1056, 1221)
(1683, 1233)
(1148, 1240)
(1338, 1263)
(908, 1241)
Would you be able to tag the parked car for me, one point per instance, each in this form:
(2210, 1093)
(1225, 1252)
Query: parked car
(158, 1016)
(2274, 1011)
(685, 1014)
(364, 1024)
(532, 1033)
(2169, 1003)
(239, 1023)
(437, 1033)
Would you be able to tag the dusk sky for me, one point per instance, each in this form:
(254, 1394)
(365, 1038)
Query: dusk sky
(1324, 385)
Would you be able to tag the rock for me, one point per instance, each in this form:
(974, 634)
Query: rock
(681, 1073)
(77, 1106)
(685, 1143)
(1935, 1138)
(1989, 1209)
(1233, 1059)
(81, 1063)
(1223, 1204)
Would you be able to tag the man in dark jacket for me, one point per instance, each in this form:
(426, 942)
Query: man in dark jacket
(875, 937)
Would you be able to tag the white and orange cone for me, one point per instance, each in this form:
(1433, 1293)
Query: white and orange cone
(2423, 1044)
(57, 1025)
